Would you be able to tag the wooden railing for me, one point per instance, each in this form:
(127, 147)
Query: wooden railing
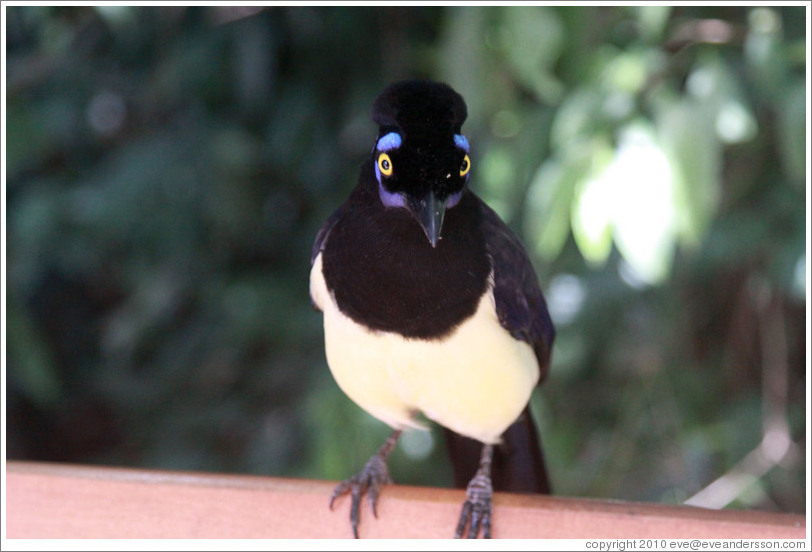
(69, 501)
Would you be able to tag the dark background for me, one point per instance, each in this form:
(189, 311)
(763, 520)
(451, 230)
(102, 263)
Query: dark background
(168, 168)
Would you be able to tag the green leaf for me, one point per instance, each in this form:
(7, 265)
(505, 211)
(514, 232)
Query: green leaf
(652, 20)
(532, 39)
(686, 132)
(763, 51)
(626, 72)
(575, 120)
(463, 56)
(549, 199)
(792, 133)
(716, 88)
(33, 365)
(641, 202)
(591, 218)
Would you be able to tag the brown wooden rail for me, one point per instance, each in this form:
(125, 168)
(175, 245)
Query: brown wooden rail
(70, 501)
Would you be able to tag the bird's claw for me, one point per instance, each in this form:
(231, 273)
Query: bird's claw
(476, 511)
(368, 481)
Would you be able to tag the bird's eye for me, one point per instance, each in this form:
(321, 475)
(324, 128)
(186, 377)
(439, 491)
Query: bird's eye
(466, 166)
(385, 164)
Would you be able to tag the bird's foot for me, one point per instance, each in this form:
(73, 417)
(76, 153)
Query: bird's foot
(368, 481)
(477, 509)
(478, 506)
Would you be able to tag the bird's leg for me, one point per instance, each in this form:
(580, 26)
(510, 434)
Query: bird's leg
(479, 502)
(369, 480)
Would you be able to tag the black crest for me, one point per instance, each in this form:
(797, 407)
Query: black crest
(420, 107)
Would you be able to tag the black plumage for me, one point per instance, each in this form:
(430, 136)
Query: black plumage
(385, 277)
(380, 273)
(520, 303)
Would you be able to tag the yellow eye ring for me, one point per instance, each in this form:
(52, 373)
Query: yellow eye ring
(466, 166)
(385, 165)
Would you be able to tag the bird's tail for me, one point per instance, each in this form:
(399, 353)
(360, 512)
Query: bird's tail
(518, 462)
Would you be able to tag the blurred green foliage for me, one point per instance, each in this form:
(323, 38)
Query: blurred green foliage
(168, 168)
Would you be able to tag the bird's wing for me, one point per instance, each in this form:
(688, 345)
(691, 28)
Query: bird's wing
(324, 232)
(321, 241)
(518, 463)
(520, 305)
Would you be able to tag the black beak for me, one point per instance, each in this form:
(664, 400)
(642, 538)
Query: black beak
(430, 212)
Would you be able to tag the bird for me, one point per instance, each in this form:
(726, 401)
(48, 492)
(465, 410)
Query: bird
(431, 306)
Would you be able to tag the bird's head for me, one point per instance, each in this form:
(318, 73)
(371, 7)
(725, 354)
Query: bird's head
(420, 156)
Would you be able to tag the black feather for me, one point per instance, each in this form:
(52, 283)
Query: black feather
(420, 107)
(518, 463)
(384, 274)
(520, 304)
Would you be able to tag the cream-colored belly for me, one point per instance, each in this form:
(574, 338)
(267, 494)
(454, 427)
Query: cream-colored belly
(476, 381)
